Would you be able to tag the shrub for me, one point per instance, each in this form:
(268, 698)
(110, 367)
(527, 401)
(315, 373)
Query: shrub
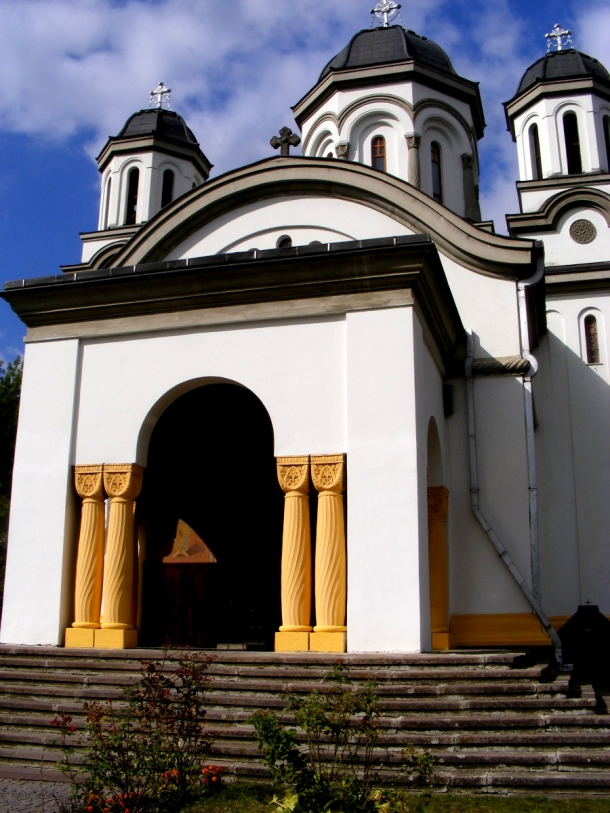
(146, 754)
(339, 767)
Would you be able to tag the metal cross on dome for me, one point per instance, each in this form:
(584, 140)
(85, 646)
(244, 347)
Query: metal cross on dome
(559, 38)
(160, 96)
(385, 11)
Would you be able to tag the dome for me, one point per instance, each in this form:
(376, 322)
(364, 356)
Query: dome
(380, 46)
(558, 65)
(163, 124)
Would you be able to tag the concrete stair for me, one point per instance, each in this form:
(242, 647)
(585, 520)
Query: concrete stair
(492, 722)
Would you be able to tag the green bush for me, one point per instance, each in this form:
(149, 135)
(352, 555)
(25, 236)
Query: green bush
(147, 754)
(338, 768)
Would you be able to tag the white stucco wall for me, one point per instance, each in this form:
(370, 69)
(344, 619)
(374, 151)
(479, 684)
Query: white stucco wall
(573, 400)
(561, 249)
(37, 592)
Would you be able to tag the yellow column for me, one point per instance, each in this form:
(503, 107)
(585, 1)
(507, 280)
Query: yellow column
(293, 475)
(438, 566)
(122, 484)
(89, 559)
(329, 635)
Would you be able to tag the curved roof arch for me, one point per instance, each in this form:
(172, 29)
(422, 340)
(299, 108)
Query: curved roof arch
(275, 178)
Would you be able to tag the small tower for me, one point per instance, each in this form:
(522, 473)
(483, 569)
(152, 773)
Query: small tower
(152, 161)
(392, 99)
(560, 117)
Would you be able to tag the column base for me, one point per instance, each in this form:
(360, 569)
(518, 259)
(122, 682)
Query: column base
(441, 641)
(328, 642)
(80, 638)
(116, 639)
(292, 641)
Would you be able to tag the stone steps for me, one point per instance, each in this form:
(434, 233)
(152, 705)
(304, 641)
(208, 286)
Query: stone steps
(493, 722)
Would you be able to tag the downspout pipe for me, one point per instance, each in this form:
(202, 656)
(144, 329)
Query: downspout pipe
(486, 525)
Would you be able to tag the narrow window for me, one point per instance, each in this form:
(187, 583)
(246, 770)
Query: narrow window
(133, 180)
(535, 153)
(107, 203)
(167, 191)
(437, 175)
(591, 340)
(378, 153)
(570, 130)
(607, 139)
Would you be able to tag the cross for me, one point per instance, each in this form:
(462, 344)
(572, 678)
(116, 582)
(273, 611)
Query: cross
(561, 37)
(285, 141)
(385, 10)
(160, 95)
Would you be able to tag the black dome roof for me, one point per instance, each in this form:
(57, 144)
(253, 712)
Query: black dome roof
(160, 123)
(380, 46)
(562, 65)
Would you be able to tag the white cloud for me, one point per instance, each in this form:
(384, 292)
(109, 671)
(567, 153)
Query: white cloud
(83, 66)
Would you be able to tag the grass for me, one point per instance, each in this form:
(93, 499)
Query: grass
(250, 798)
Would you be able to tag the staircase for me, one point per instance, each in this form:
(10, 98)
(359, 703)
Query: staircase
(492, 723)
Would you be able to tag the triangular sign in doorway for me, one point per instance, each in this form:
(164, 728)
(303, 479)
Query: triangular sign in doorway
(189, 548)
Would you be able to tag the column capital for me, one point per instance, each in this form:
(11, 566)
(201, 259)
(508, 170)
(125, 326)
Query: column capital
(123, 480)
(88, 482)
(413, 140)
(466, 160)
(438, 502)
(293, 474)
(328, 472)
(342, 150)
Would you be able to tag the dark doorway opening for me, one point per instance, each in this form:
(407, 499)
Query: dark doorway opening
(211, 468)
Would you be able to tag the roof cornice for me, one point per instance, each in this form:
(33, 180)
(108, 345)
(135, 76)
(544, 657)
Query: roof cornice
(547, 218)
(488, 254)
(410, 71)
(130, 146)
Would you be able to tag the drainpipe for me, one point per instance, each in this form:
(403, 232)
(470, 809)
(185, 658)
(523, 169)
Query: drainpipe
(485, 524)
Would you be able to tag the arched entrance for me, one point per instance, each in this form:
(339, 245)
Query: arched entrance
(211, 516)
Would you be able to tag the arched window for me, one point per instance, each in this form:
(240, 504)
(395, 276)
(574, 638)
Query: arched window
(131, 204)
(437, 174)
(167, 190)
(607, 140)
(592, 340)
(107, 203)
(535, 153)
(378, 153)
(284, 242)
(572, 139)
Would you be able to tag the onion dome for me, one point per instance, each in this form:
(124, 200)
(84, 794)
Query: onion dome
(381, 46)
(159, 123)
(560, 65)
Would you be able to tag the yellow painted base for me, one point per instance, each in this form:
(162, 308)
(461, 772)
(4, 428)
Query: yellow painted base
(291, 641)
(441, 641)
(501, 629)
(328, 642)
(116, 639)
(80, 639)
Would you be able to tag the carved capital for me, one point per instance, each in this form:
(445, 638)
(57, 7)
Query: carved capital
(88, 482)
(328, 472)
(466, 161)
(438, 502)
(123, 480)
(413, 141)
(293, 474)
(342, 150)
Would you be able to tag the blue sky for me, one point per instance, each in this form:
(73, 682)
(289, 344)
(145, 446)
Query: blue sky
(74, 70)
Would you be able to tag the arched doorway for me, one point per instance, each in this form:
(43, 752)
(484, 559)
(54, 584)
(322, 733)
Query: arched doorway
(438, 557)
(211, 489)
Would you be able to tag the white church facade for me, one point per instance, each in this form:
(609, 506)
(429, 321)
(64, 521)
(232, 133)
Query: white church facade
(316, 404)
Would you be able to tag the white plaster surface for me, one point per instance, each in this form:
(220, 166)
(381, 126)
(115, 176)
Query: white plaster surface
(561, 249)
(37, 588)
(383, 483)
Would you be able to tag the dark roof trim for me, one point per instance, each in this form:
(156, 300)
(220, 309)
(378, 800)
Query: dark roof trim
(135, 146)
(582, 279)
(488, 254)
(408, 262)
(453, 85)
(547, 218)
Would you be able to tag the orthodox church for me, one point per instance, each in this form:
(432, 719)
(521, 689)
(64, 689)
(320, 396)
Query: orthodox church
(317, 403)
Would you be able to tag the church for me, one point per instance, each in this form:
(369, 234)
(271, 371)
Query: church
(317, 403)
